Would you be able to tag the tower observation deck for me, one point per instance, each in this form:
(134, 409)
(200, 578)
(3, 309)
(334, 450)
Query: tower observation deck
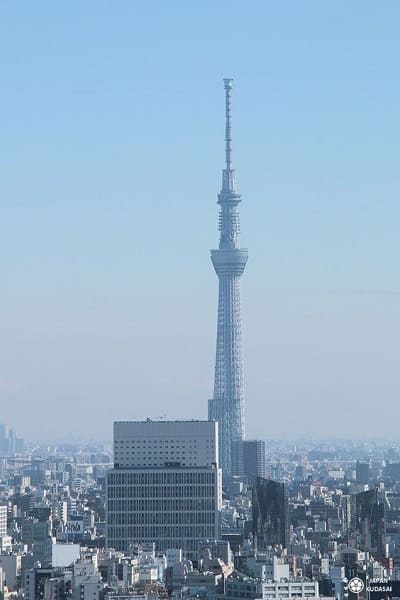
(227, 404)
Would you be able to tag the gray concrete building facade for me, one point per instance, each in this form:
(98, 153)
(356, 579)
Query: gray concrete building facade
(165, 487)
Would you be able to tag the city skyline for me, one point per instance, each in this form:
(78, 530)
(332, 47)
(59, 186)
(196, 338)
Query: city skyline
(111, 153)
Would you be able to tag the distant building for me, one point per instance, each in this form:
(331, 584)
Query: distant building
(362, 472)
(9, 442)
(11, 566)
(248, 458)
(165, 487)
(392, 470)
(300, 473)
(44, 583)
(270, 513)
(3, 520)
(240, 586)
(368, 523)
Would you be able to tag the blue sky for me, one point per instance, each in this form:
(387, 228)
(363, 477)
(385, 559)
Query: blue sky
(111, 150)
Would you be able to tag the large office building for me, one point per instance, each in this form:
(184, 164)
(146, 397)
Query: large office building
(229, 260)
(368, 522)
(270, 513)
(248, 459)
(165, 487)
(362, 472)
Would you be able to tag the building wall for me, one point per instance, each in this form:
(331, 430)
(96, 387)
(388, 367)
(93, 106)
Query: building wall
(11, 565)
(165, 486)
(29, 584)
(247, 587)
(248, 458)
(368, 523)
(270, 513)
(362, 472)
(155, 443)
(175, 508)
(3, 520)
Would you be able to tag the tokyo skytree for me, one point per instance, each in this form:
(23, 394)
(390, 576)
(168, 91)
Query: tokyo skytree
(227, 404)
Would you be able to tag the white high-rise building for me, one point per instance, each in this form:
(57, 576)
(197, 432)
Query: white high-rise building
(165, 487)
(3, 520)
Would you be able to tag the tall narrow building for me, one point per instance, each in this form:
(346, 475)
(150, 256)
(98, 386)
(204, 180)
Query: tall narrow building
(270, 513)
(227, 404)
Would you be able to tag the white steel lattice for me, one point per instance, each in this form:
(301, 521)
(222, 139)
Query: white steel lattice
(227, 404)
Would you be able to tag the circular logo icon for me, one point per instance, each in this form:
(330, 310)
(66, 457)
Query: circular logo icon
(356, 585)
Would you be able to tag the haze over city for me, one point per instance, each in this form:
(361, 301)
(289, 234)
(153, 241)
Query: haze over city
(112, 149)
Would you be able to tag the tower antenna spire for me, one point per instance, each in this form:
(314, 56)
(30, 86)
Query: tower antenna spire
(228, 83)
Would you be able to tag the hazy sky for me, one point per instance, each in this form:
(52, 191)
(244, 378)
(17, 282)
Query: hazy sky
(112, 117)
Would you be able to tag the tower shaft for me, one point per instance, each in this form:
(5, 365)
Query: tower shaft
(227, 404)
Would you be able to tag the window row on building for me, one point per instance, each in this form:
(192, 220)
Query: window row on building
(161, 518)
(154, 491)
(142, 533)
(163, 504)
(164, 477)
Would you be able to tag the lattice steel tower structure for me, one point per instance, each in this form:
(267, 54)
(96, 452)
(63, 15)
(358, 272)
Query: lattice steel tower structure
(227, 404)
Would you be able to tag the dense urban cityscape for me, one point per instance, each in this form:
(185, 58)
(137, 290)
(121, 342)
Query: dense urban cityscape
(309, 521)
(192, 508)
